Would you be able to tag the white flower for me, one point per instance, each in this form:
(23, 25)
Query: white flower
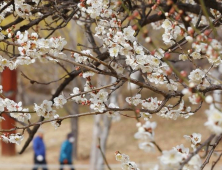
(209, 99)
(196, 55)
(114, 114)
(167, 25)
(195, 139)
(138, 49)
(189, 39)
(129, 165)
(146, 132)
(150, 103)
(34, 36)
(129, 33)
(4, 138)
(45, 109)
(134, 100)
(194, 164)
(167, 39)
(114, 51)
(183, 150)
(15, 138)
(187, 92)
(59, 101)
(194, 98)
(147, 146)
(88, 74)
(146, 116)
(75, 91)
(55, 123)
(101, 96)
(21, 116)
(98, 107)
(196, 76)
(183, 57)
(172, 85)
(215, 44)
(171, 158)
(122, 157)
(214, 122)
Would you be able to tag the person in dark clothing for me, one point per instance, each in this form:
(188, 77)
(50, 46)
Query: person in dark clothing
(66, 152)
(39, 152)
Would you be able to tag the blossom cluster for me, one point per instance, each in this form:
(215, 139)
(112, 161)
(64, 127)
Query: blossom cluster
(15, 109)
(3, 14)
(172, 159)
(46, 109)
(32, 47)
(12, 138)
(214, 122)
(126, 163)
(146, 135)
(165, 112)
(120, 40)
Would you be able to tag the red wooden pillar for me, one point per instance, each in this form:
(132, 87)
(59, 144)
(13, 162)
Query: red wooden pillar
(9, 83)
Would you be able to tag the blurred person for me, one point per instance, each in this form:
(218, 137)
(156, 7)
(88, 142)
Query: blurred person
(66, 152)
(39, 152)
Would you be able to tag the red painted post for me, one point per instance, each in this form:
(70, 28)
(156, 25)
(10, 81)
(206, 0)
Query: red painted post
(9, 83)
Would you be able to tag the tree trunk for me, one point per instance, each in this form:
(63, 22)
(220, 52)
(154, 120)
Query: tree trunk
(94, 149)
(74, 129)
(102, 124)
(103, 139)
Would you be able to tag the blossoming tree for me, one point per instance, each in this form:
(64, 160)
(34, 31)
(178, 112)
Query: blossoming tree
(190, 35)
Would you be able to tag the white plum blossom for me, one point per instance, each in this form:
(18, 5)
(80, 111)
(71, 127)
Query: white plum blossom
(195, 139)
(147, 146)
(196, 55)
(4, 138)
(129, 33)
(114, 51)
(98, 106)
(88, 74)
(22, 116)
(151, 103)
(209, 99)
(55, 123)
(195, 98)
(114, 114)
(183, 57)
(196, 76)
(183, 150)
(77, 97)
(45, 109)
(122, 157)
(134, 100)
(194, 164)
(15, 138)
(126, 163)
(145, 115)
(214, 122)
(146, 131)
(171, 158)
(59, 101)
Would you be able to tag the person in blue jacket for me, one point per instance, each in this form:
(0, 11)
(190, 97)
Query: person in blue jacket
(39, 152)
(66, 152)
